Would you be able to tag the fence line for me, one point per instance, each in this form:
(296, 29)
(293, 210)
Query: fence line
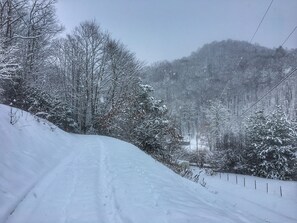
(256, 185)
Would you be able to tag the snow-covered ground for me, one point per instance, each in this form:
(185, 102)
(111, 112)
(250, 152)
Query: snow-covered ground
(47, 175)
(272, 200)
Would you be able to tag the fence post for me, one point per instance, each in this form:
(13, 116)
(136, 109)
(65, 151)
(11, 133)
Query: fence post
(255, 185)
(267, 188)
(236, 179)
(244, 182)
(220, 175)
(280, 191)
(227, 176)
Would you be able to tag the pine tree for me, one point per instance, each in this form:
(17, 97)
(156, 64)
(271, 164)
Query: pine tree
(278, 157)
(256, 133)
(151, 128)
(270, 146)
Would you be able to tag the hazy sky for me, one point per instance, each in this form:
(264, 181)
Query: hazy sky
(169, 29)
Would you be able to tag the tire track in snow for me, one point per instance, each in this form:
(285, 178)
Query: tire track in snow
(72, 192)
(68, 193)
(27, 206)
(114, 209)
(84, 204)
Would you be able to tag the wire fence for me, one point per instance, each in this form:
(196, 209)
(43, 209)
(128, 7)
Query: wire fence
(250, 183)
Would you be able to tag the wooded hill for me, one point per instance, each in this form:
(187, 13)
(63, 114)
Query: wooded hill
(236, 72)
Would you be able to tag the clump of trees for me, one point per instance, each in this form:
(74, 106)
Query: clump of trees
(266, 146)
(224, 136)
(86, 82)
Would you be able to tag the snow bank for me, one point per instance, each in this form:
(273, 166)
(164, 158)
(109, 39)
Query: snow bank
(28, 149)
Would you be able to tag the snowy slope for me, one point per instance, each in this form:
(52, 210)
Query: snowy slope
(264, 200)
(52, 176)
(28, 149)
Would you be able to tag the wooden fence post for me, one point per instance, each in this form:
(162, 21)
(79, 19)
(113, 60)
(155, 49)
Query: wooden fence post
(255, 185)
(267, 188)
(244, 181)
(236, 179)
(280, 191)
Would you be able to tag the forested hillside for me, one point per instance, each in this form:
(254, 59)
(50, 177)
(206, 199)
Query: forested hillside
(237, 99)
(234, 72)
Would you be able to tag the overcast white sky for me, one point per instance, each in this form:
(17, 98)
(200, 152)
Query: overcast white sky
(169, 29)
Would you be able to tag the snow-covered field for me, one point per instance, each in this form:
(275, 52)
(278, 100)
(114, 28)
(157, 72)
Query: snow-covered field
(241, 191)
(47, 175)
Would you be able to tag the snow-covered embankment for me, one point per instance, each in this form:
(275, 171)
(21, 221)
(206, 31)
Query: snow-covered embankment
(48, 175)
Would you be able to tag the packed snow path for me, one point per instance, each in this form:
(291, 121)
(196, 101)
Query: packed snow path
(109, 181)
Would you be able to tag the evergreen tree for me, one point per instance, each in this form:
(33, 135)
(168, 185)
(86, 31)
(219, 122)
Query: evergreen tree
(278, 157)
(270, 146)
(152, 129)
(256, 133)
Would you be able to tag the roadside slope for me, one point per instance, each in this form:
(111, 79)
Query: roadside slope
(28, 149)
